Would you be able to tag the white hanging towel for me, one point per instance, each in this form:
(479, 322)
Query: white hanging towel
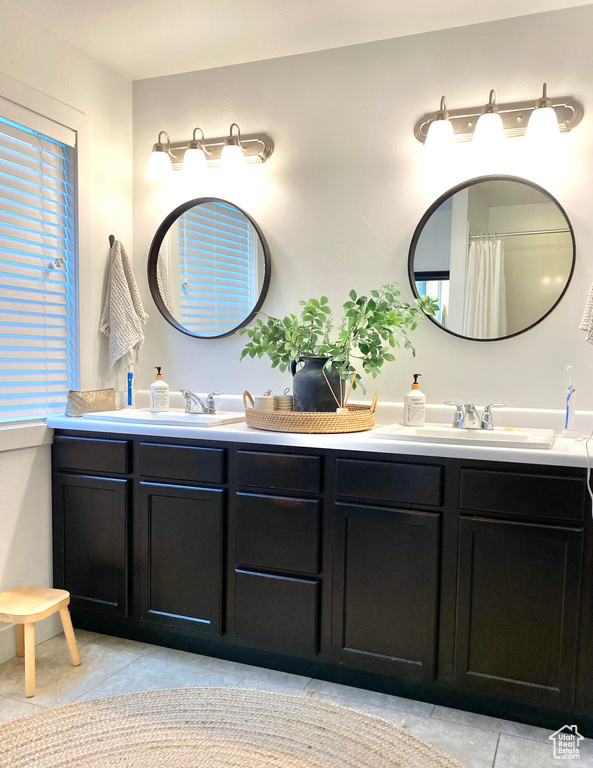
(587, 321)
(123, 314)
(164, 286)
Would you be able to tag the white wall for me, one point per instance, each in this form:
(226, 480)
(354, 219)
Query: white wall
(339, 199)
(46, 63)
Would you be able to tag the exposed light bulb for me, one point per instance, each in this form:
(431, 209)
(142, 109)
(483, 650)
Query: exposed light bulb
(440, 138)
(194, 162)
(159, 166)
(489, 132)
(232, 157)
(543, 129)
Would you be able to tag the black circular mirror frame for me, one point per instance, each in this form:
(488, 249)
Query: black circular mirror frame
(437, 204)
(153, 256)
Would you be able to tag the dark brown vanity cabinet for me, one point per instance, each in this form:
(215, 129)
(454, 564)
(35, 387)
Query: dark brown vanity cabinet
(519, 591)
(518, 610)
(181, 535)
(277, 552)
(181, 556)
(386, 589)
(387, 566)
(91, 524)
(466, 583)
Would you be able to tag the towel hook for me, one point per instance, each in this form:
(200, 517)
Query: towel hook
(111, 240)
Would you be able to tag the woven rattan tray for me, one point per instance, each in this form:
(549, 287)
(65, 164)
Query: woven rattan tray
(358, 419)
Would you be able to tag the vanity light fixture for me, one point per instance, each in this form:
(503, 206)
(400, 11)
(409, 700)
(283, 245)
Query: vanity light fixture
(195, 161)
(440, 136)
(489, 131)
(514, 116)
(232, 157)
(172, 156)
(543, 123)
(159, 166)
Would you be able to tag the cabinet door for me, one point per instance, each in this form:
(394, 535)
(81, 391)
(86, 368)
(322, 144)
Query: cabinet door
(386, 590)
(277, 613)
(91, 542)
(517, 610)
(181, 551)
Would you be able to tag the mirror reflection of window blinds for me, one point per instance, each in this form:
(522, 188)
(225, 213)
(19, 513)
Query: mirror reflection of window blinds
(218, 249)
(37, 273)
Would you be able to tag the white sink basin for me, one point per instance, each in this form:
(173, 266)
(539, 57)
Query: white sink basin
(512, 437)
(176, 418)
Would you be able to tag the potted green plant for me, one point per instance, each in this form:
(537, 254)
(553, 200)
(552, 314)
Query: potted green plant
(369, 328)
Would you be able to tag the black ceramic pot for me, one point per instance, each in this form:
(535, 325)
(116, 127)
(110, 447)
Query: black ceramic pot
(309, 387)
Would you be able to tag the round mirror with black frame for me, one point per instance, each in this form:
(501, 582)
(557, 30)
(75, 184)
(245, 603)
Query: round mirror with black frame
(208, 268)
(497, 253)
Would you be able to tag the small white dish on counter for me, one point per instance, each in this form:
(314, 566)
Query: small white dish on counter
(174, 417)
(512, 437)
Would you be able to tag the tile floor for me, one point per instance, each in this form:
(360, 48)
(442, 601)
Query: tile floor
(112, 665)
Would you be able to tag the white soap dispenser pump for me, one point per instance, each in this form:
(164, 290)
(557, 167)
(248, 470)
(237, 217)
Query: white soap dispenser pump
(159, 393)
(415, 405)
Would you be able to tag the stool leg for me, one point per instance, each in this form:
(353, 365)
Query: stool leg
(20, 639)
(70, 638)
(29, 633)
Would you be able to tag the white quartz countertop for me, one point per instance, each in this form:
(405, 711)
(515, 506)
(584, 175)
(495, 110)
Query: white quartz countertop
(564, 451)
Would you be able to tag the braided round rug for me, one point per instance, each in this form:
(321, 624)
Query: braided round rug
(212, 728)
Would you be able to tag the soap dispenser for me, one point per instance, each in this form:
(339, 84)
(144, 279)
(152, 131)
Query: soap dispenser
(415, 405)
(159, 393)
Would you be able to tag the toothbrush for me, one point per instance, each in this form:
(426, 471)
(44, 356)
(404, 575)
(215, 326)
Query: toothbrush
(130, 389)
(570, 392)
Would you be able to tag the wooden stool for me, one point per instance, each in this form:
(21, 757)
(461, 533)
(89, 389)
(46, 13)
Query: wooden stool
(26, 605)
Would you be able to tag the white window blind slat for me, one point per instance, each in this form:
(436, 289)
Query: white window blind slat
(37, 267)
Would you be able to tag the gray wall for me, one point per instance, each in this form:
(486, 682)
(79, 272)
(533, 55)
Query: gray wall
(341, 196)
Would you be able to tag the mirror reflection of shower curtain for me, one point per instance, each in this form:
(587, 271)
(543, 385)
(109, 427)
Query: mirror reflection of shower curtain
(484, 309)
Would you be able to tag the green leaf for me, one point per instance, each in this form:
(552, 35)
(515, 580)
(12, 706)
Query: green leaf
(353, 295)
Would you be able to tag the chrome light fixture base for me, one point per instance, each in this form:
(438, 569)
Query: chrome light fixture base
(257, 148)
(515, 118)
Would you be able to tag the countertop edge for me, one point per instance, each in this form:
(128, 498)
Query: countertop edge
(564, 452)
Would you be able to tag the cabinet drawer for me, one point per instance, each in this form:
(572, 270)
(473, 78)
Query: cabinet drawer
(276, 613)
(277, 533)
(177, 462)
(390, 481)
(283, 471)
(532, 495)
(90, 455)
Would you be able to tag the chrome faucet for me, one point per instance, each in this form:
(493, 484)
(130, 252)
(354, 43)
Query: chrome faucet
(487, 415)
(193, 404)
(472, 420)
(466, 416)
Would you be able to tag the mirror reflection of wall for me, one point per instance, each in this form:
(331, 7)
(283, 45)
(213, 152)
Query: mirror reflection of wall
(497, 253)
(208, 268)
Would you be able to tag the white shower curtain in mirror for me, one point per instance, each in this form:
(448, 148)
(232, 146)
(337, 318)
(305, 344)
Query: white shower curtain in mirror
(484, 309)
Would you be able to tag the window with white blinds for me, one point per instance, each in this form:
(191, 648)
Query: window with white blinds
(37, 272)
(218, 268)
